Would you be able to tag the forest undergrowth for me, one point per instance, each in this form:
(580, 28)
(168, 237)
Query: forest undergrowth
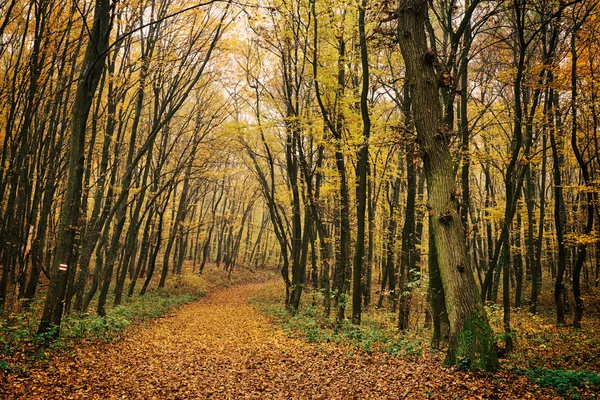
(224, 347)
(559, 357)
(21, 346)
(245, 332)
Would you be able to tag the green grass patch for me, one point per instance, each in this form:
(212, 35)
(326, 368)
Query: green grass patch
(108, 328)
(21, 345)
(314, 326)
(566, 383)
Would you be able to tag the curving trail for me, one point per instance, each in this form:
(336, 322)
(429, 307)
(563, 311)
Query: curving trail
(222, 348)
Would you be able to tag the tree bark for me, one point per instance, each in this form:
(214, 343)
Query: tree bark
(583, 165)
(441, 325)
(471, 338)
(68, 241)
(361, 172)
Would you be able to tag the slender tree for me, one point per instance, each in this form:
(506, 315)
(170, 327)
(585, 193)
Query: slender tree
(68, 242)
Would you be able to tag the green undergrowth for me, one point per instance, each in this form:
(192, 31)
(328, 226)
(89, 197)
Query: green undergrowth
(541, 344)
(566, 382)
(375, 334)
(139, 309)
(21, 346)
(474, 350)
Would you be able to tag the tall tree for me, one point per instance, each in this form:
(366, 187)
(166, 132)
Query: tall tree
(361, 170)
(68, 236)
(471, 337)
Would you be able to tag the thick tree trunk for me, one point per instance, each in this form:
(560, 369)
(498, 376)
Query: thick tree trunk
(471, 338)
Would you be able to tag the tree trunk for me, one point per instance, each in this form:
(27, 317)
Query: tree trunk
(361, 172)
(68, 240)
(583, 165)
(471, 338)
(518, 263)
(334, 122)
(408, 270)
(441, 324)
(536, 270)
(560, 218)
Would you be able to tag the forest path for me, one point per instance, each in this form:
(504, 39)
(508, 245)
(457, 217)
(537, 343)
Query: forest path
(221, 347)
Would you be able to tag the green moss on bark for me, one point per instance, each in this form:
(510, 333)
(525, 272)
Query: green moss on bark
(473, 347)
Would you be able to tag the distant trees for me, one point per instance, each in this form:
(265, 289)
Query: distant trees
(98, 142)
(323, 137)
(500, 197)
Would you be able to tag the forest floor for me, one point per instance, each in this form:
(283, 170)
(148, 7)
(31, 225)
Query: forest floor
(224, 347)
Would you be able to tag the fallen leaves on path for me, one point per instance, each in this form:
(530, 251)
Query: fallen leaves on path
(221, 347)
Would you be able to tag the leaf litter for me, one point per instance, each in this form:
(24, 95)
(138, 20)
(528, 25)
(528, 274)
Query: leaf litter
(222, 347)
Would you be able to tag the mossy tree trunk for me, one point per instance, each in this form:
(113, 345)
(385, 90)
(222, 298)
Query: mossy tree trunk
(471, 338)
